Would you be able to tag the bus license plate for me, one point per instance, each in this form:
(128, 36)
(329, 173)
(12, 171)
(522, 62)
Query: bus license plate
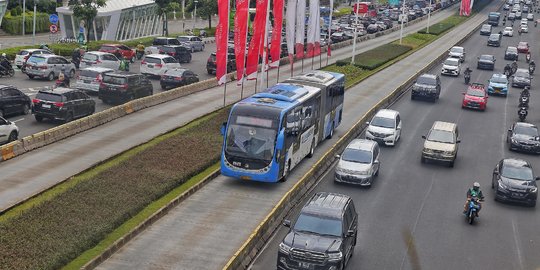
(245, 177)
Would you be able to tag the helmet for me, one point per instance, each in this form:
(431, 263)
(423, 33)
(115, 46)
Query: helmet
(3, 54)
(476, 185)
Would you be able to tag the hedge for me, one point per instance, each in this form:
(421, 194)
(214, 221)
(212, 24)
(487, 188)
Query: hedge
(13, 24)
(376, 57)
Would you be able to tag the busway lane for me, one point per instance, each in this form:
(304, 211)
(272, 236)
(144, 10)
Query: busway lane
(425, 200)
(163, 245)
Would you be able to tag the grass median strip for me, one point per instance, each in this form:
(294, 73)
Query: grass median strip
(91, 209)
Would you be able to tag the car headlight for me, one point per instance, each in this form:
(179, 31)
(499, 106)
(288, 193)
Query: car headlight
(284, 248)
(502, 186)
(449, 153)
(428, 150)
(513, 140)
(335, 256)
(534, 189)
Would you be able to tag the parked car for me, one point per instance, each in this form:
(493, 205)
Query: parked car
(511, 53)
(100, 59)
(523, 47)
(90, 78)
(457, 52)
(508, 31)
(160, 41)
(193, 42)
(485, 30)
(521, 78)
(211, 63)
(124, 86)
(385, 127)
(48, 66)
(13, 101)
(62, 104)
(498, 85)
(494, 40)
(359, 163)
(451, 66)
(476, 97)
(157, 64)
(523, 137)
(486, 61)
(514, 181)
(323, 235)
(20, 57)
(427, 86)
(181, 53)
(337, 37)
(119, 50)
(177, 77)
(372, 28)
(8, 131)
(441, 143)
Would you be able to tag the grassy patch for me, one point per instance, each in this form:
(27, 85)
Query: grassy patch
(49, 234)
(444, 25)
(351, 73)
(377, 57)
(416, 40)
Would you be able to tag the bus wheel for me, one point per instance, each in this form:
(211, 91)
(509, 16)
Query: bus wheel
(312, 149)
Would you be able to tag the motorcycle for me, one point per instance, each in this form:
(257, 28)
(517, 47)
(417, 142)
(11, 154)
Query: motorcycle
(507, 72)
(472, 210)
(10, 72)
(522, 114)
(531, 69)
(528, 58)
(467, 78)
(524, 101)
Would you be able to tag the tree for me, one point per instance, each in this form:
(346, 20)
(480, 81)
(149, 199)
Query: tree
(163, 6)
(86, 10)
(205, 9)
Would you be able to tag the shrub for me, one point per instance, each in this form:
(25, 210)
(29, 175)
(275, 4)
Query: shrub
(377, 57)
(340, 63)
(416, 40)
(12, 24)
(352, 73)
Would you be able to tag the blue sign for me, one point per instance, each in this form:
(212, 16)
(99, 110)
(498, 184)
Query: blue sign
(53, 18)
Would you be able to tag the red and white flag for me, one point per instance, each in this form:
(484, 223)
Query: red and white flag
(222, 36)
(465, 8)
(257, 40)
(240, 37)
(300, 28)
(329, 40)
(290, 28)
(313, 32)
(275, 47)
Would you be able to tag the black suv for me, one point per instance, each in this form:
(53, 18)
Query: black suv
(13, 101)
(63, 104)
(523, 137)
(181, 53)
(427, 86)
(124, 86)
(323, 236)
(211, 63)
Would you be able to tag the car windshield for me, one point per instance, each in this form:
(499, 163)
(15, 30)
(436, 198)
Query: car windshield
(522, 74)
(529, 131)
(383, 122)
(90, 57)
(522, 44)
(37, 59)
(318, 225)
(499, 79)
(183, 39)
(486, 27)
(475, 92)
(494, 37)
(49, 97)
(441, 136)
(174, 72)
(168, 60)
(426, 80)
(88, 73)
(107, 48)
(486, 57)
(517, 173)
(114, 80)
(508, 29)
(251, 137)
(451, 62)
(152, 60)
(357, 156)
(456, 50)
(511, 50)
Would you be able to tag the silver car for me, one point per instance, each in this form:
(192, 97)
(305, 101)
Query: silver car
(48, 66)
(100, 59)
(90, 78)
(193, 42)
(359, 163)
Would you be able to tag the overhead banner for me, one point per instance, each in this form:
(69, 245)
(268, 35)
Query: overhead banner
(255, 46)
(290, 28)
(300, 28)
(240, 37)
(275, 44)
(222, 35)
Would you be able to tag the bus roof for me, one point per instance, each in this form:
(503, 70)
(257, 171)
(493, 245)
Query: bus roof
(283, 95)
(317, 77)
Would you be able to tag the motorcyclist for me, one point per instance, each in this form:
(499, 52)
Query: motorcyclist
(65, 78)
(76, 57)
(5, 65)
(514, 66)
(528, 57)
(474, 192)
(532, 64)
(140, 50)
(522, 112)
(507, 69)
(525, 92)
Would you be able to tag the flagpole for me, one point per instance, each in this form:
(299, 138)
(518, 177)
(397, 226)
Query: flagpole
(329, 31)
(265, 41)
(278, 70)
(355, 31)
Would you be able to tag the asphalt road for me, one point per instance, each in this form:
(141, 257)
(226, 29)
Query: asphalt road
(28, 125)
(425, 201)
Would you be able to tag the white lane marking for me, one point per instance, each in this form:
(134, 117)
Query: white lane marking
(516, 240)
(15, 121)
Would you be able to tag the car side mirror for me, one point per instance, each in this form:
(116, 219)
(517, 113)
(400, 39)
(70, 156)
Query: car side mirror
(478, 58)
(458, 141)
(537, 178)
(338, 156)
(287, 223)
(376, 161)
(463, 93)
(350, 233)
(367, 123)
(223, 128)
(509, 130)
(424, 137)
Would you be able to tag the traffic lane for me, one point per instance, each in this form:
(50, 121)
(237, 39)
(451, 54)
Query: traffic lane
(426, 200)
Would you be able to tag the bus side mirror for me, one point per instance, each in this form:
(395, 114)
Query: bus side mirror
(223, 128)
(280, 140)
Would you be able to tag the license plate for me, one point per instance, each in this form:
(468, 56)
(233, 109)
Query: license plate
(150, 66)
(111, 88)
(304, 265)
(47, 106)
(86, 81)
(34, 67)
(517, 195)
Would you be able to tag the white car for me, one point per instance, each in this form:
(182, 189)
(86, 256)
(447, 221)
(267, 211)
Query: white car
(359, 164)
(8, 131)
(530, 17)
(508, 31)
(157, 64)
(451, 66)
(90, 78)
(385, 127)
(458, 53)
(19, 58)
(524, 28)
(100, 59)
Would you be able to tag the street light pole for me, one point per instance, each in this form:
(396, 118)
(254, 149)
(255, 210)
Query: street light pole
(402, 21)
(194, 15)
(355, 31)
(428, 16)
(34, 27)
(23, 17)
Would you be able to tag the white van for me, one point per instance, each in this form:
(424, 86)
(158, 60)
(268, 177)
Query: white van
(157, 64)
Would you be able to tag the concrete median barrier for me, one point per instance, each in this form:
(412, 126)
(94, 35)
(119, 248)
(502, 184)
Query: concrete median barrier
(7, 151)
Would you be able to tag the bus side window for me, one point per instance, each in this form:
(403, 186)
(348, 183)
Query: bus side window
(293, 122)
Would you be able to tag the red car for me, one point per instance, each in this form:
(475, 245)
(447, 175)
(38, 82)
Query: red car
(119, 49)
(523, 47)
(476, 97)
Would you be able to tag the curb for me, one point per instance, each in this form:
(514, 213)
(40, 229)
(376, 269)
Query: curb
(262, 233)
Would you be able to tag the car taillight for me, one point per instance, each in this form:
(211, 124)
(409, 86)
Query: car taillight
(36, 101)
(178, 78)
(42, 67)
(59, 104)
(143, 62)
(172, 54)
(102, 85)
(99, 78)
(159, 65)
(160, 51)
(125, 86)
(98, 62)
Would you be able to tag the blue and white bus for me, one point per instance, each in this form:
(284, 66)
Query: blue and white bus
(269, 133)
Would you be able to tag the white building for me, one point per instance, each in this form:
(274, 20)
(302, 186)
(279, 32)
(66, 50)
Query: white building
(3, 7)
(118, 20)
